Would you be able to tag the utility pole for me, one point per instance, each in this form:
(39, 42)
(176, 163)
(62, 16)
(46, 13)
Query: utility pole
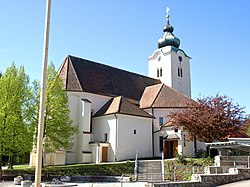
(39, 151)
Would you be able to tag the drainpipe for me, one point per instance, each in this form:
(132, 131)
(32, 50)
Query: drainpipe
(153, 138)
(116, 136)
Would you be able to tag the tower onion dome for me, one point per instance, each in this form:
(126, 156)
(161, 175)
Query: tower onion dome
(168, 39)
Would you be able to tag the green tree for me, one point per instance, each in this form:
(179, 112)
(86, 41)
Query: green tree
(15, 94)
(246, 126)
(59, 130)
(209, 119)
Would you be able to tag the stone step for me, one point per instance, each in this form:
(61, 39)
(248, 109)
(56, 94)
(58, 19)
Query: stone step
(149, 171)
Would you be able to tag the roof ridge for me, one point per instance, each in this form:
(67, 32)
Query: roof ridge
(74, 71)
(92, 61)
(120, 103)
(157, 94)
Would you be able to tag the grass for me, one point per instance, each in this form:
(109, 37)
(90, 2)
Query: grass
(21, 166)
(107, 169)
(184, 167)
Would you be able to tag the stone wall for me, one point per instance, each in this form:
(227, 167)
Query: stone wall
(235, 174)
(209, 180)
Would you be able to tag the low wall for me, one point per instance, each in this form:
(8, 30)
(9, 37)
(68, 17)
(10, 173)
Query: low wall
(235, 174)
(209, 180)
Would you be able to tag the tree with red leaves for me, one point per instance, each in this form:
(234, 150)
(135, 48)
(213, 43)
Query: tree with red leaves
(209, 119)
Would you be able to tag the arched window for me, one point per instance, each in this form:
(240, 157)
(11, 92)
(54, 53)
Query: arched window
(158, 73)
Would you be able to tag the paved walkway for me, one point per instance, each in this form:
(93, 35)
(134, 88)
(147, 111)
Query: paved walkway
(245, 183)
(115, 184)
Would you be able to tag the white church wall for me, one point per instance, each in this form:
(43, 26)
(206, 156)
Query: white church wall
(80, 113)
(73, 101)
(157, 113)
(106, 125)
(181, 83)
(134, 135)
(170, 60)
(160, 60)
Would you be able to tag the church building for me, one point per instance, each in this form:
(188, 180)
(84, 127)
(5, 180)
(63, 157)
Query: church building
(120, 114)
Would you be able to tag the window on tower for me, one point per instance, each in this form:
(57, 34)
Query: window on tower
(179, 72)
(158, 72)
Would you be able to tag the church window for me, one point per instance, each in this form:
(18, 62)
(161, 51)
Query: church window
(160, 121)
(105, 137)
(180, 58)
(91, 122)
(179, 72)
(134, 131)
(158, 72)
(184, 140)
(161, 143)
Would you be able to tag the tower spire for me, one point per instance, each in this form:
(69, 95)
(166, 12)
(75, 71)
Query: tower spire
(168, 38)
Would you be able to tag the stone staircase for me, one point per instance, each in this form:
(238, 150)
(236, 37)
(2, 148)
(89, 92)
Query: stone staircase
(149, 170)
(222, 164)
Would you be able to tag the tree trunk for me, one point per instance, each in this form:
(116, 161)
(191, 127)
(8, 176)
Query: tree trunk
(10, 162)
(1, 171)
(195, 147)
(1, 160)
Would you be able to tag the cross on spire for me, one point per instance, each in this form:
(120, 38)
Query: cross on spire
(168, 12)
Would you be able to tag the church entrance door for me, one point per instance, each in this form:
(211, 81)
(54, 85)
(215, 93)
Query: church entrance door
(104, 154)
(170, 148)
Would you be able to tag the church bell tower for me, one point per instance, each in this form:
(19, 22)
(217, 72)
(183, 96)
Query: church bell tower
(169, 63)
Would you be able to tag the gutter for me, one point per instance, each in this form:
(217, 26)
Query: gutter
(116, 136)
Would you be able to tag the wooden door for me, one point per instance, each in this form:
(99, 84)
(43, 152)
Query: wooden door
(166, 149)
(175, 147)
(104, 154)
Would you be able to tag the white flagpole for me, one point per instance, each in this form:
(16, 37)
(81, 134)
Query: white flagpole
(39, 146)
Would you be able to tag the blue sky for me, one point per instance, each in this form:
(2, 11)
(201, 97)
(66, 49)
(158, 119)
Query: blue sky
(216, 34)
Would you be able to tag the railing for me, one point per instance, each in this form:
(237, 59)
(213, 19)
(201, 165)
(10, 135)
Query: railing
(235, 162)
(136, 166)
(162, 166)
(183, 172)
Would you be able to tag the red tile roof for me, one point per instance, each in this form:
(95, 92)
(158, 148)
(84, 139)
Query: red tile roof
(162, 96)
(120, 105)
(87, 76)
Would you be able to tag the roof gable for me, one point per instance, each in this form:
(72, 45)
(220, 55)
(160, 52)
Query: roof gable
(120, 105)
(162, 96)
(84, 75)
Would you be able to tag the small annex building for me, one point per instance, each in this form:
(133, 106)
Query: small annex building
(121, 113)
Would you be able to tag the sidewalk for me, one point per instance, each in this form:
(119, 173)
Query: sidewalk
(113, 184)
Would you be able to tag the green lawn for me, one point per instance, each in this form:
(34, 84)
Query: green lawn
(107, 169)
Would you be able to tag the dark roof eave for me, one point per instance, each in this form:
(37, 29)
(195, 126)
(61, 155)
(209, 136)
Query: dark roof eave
(124, 114)
(164, 107)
